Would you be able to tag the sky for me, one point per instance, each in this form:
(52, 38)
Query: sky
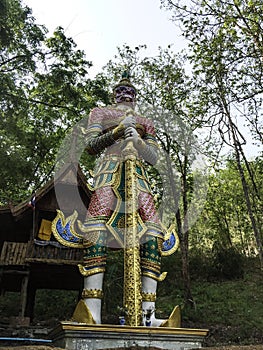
(100, 26)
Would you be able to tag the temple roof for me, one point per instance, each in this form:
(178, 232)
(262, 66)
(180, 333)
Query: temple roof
(69, 174)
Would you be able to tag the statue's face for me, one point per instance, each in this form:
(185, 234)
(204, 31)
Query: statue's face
(125, 94)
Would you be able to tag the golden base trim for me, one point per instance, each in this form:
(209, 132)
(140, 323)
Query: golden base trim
(100, 328)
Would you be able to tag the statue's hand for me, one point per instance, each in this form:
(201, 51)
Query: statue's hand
(131, 134)
(129, 121)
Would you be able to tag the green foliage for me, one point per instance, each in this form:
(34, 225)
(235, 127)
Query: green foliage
(217, 265)
(227, 263)
(230, 309)
(9, 305)
(54, 305)
(224, 218)
(45, 90)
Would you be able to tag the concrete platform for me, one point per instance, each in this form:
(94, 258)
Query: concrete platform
(80, 336)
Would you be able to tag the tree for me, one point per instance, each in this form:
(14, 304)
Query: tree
(226, 52)
(224, 219)
(45, 90)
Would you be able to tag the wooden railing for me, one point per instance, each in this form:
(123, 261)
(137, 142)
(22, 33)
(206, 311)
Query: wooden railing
(13, 253)
(17, 253)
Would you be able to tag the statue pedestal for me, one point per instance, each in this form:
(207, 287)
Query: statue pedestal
(80, 336)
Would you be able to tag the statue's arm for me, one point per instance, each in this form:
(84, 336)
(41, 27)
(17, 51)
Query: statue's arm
(97, 141)
(149, 148)
(97, 138)
(149, 152)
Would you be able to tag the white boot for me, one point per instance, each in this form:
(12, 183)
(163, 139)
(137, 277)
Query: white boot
(88, 309)
(93, 287)
(149, 286)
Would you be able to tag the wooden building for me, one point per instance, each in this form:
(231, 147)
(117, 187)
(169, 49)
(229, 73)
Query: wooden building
(30, 256)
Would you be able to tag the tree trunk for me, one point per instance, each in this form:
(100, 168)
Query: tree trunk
(183, 236)
(238, 152)
(233, 130)
(250, 210)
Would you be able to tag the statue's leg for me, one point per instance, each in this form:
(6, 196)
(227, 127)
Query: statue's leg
(93, 268)
(151, 266)
(149, 286)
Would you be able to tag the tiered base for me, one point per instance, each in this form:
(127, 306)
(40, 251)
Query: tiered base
(80, 336)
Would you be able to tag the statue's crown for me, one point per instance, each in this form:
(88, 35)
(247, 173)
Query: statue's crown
(125, 81)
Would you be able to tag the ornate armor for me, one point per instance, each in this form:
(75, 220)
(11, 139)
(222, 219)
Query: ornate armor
(106, 212)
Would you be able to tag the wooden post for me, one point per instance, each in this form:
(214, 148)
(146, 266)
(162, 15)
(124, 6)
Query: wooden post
(30, 300)
(24, 290)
